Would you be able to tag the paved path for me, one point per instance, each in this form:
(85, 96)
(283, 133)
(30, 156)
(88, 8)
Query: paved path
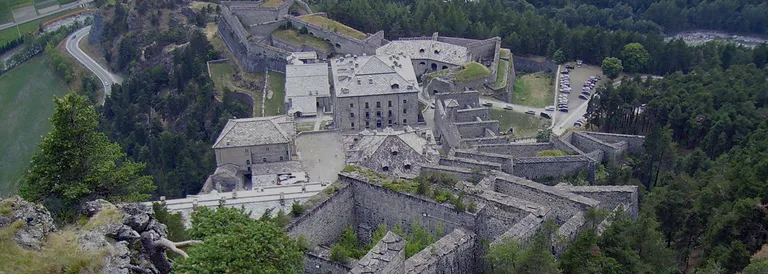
(107, 78)
(62, 8)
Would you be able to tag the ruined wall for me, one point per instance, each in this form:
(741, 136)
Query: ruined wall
(470, 115)
(562, 204)
(553, 167)
(316, 265)
(374, 205)
(469, 163)
(454, 253)
(634, 142)
(516, 150)
(477, 129)
(324, 224)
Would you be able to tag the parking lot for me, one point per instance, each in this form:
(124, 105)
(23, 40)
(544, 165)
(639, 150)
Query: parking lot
(576, 106)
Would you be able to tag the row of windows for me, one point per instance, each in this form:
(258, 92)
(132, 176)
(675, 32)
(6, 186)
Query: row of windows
(378, 114)
(248, 162)
(378, 124)
(378, 104)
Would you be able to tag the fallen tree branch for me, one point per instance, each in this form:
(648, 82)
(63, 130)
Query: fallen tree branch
(169, 245)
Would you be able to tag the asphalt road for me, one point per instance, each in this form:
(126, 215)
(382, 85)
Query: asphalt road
(106, 78)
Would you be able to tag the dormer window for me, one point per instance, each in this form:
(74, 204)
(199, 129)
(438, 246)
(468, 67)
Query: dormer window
(421, 51)
(407, 166)
(385, 168)
(370, 81)
(437, 52)
(358, 81)
(395, 86)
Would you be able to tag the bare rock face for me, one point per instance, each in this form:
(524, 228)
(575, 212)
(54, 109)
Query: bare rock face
(37, 222)
(91, 208)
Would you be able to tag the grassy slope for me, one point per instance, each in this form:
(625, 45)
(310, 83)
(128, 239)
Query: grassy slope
(26, 104)
(472, 71)
(525, 125)
(222, 76)
(292, 37)
(334, 26)
(534, 90)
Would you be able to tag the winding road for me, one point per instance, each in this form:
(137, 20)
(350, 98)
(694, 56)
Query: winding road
(106, 78)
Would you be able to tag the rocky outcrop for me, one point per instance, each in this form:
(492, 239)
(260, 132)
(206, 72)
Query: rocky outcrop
(37, 222)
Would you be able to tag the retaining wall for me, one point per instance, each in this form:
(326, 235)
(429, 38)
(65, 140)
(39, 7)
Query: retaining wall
(324, 224)
(503, 160)
(469, 163)
(316, 265)
(470, 115)
(588, 143)
(562, 204)
(516, 150)
(634, 142)
(553, 167)
(523, 64)
(454, 253)
(477, 129)
(342, 43)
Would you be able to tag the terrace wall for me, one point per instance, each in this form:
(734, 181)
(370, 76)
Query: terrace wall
(325, 223)
(553, 167)
(563, 205)
(453, 253)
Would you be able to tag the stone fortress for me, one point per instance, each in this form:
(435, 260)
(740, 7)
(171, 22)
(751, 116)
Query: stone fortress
(374, 91)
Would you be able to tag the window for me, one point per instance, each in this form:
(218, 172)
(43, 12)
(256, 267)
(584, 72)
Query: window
(437, 52)
(395, 86)
(390, 122)
(248, 162)
(353, 125)
(390, 113)
(281, 158)
(378, 104)
(264, 159)
(367, 124)
(286, 153)
(421, 51)
(407, 167)
(434, 91)
(422, 63)
(385, 168)
(366, 104)
(390, 104)
(405, 110)
(378, 114)
(351, 115)
(351, 105)
(378, 124)
(367, 115)
(445, 67)
(405, 101)
(405, 121)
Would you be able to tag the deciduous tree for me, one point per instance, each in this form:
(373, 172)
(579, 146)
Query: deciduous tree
(612, 67)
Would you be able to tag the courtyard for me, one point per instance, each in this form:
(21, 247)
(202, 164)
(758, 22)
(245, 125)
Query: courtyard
(321, 154)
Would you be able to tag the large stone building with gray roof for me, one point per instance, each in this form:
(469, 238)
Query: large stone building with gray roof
(248, 141)
(307, 90)
(374, 92)
(392, 152)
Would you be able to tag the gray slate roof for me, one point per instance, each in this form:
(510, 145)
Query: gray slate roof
(303, 84)
(256, 131)
(373, 75)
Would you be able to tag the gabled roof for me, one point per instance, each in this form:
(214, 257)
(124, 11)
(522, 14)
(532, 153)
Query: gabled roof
(373, 75)
(429, 50)
(255, 131)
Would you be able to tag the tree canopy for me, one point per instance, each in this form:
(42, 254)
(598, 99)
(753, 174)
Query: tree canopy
(635, 58)
(612, 67)
(76, 163)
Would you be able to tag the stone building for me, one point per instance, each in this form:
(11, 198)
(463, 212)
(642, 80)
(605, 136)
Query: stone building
(250, 141)
(399, 153)
(307, 90)
(374, 92)
(460, 121)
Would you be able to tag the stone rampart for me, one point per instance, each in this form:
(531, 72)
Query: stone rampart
(314, 264)
(453, 253)
(468, 163)
(436, 85)
(386, 257)
(634, 142)
(460, 172)
(477, 129)
(374, 205)
(471, 98)
(563, 204)
(503, 160)
(343, 44)
(516, 150)
(265, 29)
(502, 211)
(253, 57)
(471, 115)
(587, 143)
(523, 64)
(564, 143)
(609, 196)
(522, 230)
(324, 223)
(553, 167)
(472, 142)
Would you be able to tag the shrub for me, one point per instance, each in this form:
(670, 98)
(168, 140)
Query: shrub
(297, 208)
(303, 243)
(472, 207)
(331, 189)
(339, 254)
(458, 204)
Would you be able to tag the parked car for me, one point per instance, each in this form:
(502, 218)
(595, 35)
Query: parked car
(531, 112)
(549, 108)
(569, 67)
(545, 115)
(578, 124)
(563, 110)
(583, 97)
(508, 107)
(488, 104)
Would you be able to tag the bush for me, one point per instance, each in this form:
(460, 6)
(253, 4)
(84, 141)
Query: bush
(472, 207)
(297, 208)
(303, 243)
(458, 204)
(423, 188)
(339, 254)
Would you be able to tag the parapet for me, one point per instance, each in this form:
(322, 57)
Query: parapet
(453, 253)
(387, 256)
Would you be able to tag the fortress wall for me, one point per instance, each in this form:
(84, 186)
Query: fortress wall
(438, 86)
(453, 253)
(470, 115)
(503, 160)
(588, 143)
(522, 230)
(387, 256)
(314, 264)
(609, 196)
(324, 224)
(634, 142)
(562, 204)
(265, 29)
(469, 163)
(516, 150)
(471, 98)
(477, 129)
(460, 172)
(342, 44)
(374, 205)
(564, 143)
(553, 167)
(471, 142)
(523, 64)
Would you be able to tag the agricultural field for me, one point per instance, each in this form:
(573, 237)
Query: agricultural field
(524, 125)
(26, 104)
(535, 90)
(9, 34)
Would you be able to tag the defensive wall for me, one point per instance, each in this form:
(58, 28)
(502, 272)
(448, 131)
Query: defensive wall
(342, 43)
(611, 151)
(523, 64)
(453, 253)
(387, 256)
(471, 114)
(634, 142)
(553, 167)
(253, 56)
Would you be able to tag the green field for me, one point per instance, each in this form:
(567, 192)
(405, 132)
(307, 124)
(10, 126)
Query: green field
(534, 90)
(525, 125)
(41, 4)
(9, 34)
(26, 104)
(275, 105)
